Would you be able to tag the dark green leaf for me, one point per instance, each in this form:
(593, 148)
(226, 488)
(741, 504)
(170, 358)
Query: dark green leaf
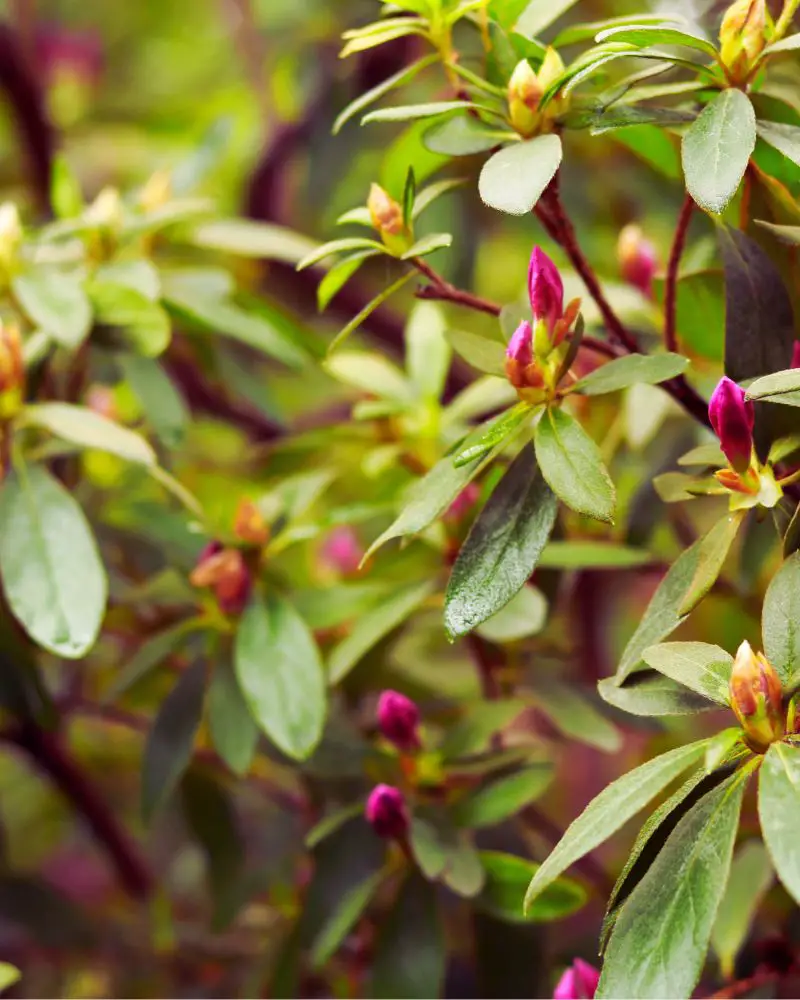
(514, 178)
(713, 550)
(233, 729)
(502, 548)
(716, 149)
(503, 798)
(780, 622)
(650, 694)
(162, 404)
(410, 958)
(779, 811)
(495, 434)
(784, 138)
(507, 877)
(751, 876)
(151, 654)
(622, 372)
(343, 919)
(699, 666)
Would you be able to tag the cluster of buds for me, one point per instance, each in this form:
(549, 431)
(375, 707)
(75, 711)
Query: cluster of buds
(387, 218)
(525, 91)
(756, 698)
(579, 982)
(638, 261)
(533, 358)
(742, 37)
(386, 810)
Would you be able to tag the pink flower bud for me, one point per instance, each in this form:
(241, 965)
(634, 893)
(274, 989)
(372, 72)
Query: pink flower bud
(387, 813)
(545, 288)
(398, 718)
(341, 551)
(637, 257)
(519, 354)
(732, 419)
(796, 355)
(579, 982)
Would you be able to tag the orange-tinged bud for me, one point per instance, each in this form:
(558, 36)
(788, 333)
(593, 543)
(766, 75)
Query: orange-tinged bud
(524, 93)
(249, 525)
(226, 572)
(742, 37)
(386, 214)
(755, 692)
(12, 366)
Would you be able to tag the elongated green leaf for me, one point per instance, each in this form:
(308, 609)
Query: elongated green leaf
(506, 879)
(650, 694)
(699, 666)
(495, 434)
(280, 673)
(410, 957)
(622, 372)
(150, 655)
(56, 303)
(788, 44)
(247, 238)
(716, 149)
(591, 555)
(714, 548)
(659, 942)
(503, 798)
(483, 353)
(514, 178)
(344, 245)
(779, 811)
(572, 465)
(88, 429)
(502, 548)
(412, 112)
(169, 745)
(575, 715)
(775, 384)
(426, 245)
(428, 354)
(428, 195)
(403, 76)
(52, 573)
(611, 809)
(780, 622)
(233, 729)
(653, 34)
(343, 919)
(142, 324)
(751, 876)
(537, 16)
(368, 309)
(373, 626)
(523, 616)
(784, 138)
(162, 404)
(338, 276)
(370, 372)
(461, 135)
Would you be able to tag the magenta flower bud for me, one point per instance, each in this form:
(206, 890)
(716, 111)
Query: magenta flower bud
(387, 813)
(796, 355)
(520, 347)
(579, 982)
(732, 419)
(463, 503)
(398, 718)
(545, 288)
(342, 551)
(638, 260)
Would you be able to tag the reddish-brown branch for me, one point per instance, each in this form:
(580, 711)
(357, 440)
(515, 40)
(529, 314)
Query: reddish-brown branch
(487, 664)
(671, 286)
(740, 986)
(439, 288)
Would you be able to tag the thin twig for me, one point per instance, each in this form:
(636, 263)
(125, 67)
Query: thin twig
(740, 986)
(671, 287)
(440, 288)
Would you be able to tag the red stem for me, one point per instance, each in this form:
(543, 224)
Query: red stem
(671, 287)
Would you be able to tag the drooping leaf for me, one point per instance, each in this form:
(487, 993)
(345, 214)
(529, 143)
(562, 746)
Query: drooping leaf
(716, 149)
(507, 877)
(344, 918)
(403, 76)
(779, 811)
(497, 431)
(611, 809)
(659, 941)
(410, 957)
(53, 577)
(55, 302)
(143, 325)
(775, 385)
(503, 798)
(654, 34)
(780, 622)
(514, 178)
(88, 429)
(712, 552)
(622, 372)
(483, 353)
(784, 138)
(575, 715)
(751, 875)
(170, 741)
(572, 465)
(280, 674)
(699, 666)
(233, 729)
(162, 404)
(523, 616)
(649, 694)
(502, 548)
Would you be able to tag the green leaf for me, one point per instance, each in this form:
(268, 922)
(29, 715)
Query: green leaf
(338, 276)
(170, 742)
(610, 810)
(364, 40)
(651, 34)
(406, 74)
(368, 309)
(700, 311)
(428, 244)
(410, 957)
(537, 16)
(634, 368)
(280, 674)
(373, 626)
(502, 548)
(659, 942)
(713, 550)
(461, 135)
(370, 372)
(463, 872)
(661, 616)
(716, 149)
(247, 238)
(514, 178)
(344, 918)
(428, 353)
(591, 555)
(788, 44)
(779, 811)
(496, 433)
(53, 577)
(523, 616)
(142, 324)
(221, 317)
(699, 666)
(162, 404)
(775, 384)
(650, 694)
(751, 876)
(428, 195)
(572, 465)
(429, 844)
(576, 717)
(140, 275)
(65, 194)
(88, 429)
(233, 729)
(412, 112)
(56, 303)
(780, 622)
(503, 798)
(344, 245)
(332, 822)
(9, 975)
(483, 353)
(784, 138)
(480, 722)
(506, 879)
(151, 654)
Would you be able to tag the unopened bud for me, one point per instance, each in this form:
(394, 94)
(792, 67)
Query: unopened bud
(249, 525)
(742, 37)
(524, 93)
(755, 692)
(342, 551)
(398, 719)
(795, 355)
(387, 813)
(519, 356)
(579, 982)
(545, 289)
(12, 367)
(637, 259)
(225, 571)
(386, 214)
(732, 418)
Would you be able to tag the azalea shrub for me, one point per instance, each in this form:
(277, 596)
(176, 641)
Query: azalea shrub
(400, 497)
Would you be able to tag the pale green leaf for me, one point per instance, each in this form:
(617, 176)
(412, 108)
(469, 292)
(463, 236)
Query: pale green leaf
(514, 178)
(699, 666)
